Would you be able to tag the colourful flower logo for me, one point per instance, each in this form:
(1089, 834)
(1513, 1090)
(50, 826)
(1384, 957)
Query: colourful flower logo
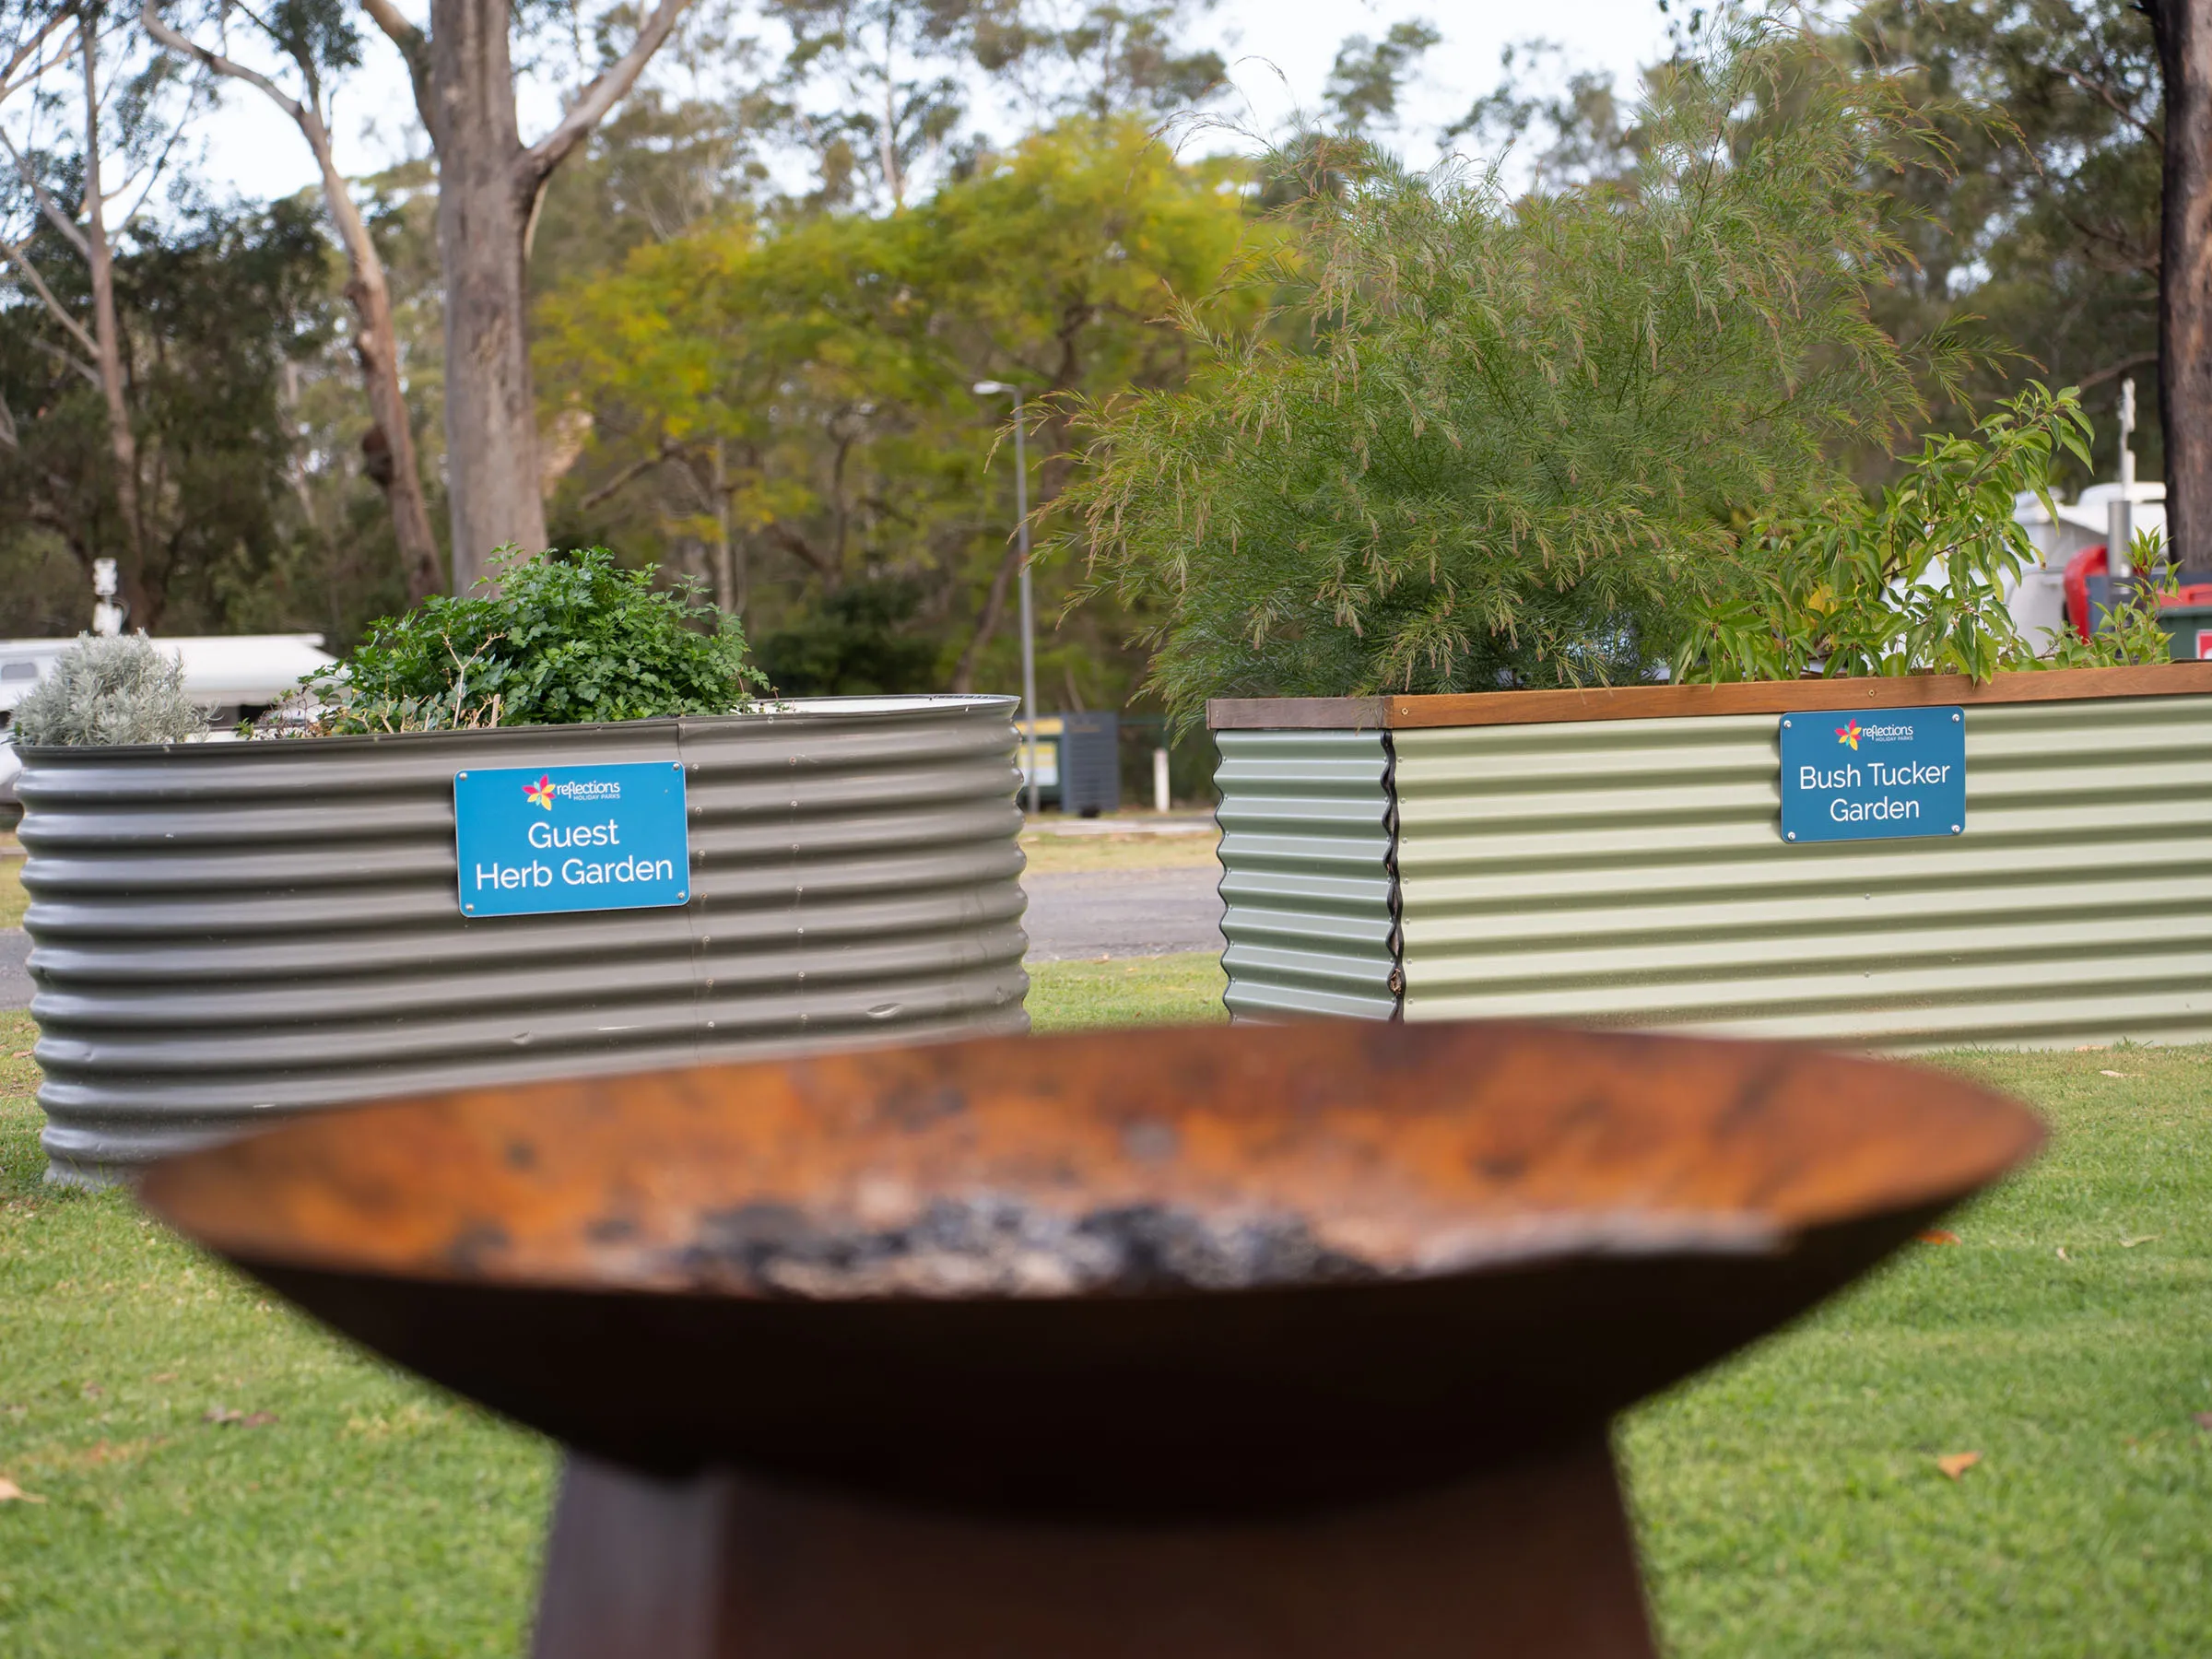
(1844, 733)
(540, 793)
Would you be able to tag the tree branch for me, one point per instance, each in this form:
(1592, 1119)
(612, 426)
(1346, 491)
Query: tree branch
(305, 115)
(35, 46)
(16, 257)
(536, 164)
(51, 208)
(150, 15)
(2110, 101)
(632, 473)
(65, 359)
(415, 47)
(2126, 365)
(791, 541)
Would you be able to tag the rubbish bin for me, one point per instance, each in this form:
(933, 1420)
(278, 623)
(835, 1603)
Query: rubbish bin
(2190, 629)
(1090, 764)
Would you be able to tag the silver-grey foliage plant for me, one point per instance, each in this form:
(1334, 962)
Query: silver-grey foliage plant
(110, 691)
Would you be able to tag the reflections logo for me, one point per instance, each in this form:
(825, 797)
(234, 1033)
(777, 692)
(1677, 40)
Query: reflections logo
(1849, 734)
(540, 793)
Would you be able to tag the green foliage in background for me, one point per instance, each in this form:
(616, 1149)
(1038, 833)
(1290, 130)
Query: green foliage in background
(1517, 438)
(787, 406)
(2043, 233)
(857, 641)
(556, 640)
(1913, 581)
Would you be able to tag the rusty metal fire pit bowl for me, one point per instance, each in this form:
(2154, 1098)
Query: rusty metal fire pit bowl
(1226, 1342)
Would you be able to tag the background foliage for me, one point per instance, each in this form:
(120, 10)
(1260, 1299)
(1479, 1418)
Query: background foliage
(858, 521)
(1506, 439)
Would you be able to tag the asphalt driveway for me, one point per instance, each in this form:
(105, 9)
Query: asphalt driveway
(1122, 913)
(15, 979)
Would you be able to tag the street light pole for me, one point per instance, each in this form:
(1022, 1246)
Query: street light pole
(1028, 624)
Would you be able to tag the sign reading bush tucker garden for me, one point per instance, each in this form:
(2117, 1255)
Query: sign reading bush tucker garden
(535, 839)
(1872, 775)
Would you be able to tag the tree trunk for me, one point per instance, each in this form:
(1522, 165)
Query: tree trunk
(484, 203)
(376, 345)
(489, 188)
(2183, 29)
(123, 444)
(725, 566)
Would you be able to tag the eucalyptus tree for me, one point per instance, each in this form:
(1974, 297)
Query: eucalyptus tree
(878, 88)
(490, 186)
(1367, 77)
(318, 43)
(89, 123)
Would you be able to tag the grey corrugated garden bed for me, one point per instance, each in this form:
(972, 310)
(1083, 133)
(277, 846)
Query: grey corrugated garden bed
(223, 931)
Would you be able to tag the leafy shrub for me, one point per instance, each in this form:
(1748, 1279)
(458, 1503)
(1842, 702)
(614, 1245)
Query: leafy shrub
(547, 641)
(1517, 438)
(1914, 582)
(110, 691)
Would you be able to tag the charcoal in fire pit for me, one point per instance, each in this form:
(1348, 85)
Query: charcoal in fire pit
(997, 1244)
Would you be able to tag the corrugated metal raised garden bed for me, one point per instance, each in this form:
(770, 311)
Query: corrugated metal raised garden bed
(225, 931)
(1616, 856)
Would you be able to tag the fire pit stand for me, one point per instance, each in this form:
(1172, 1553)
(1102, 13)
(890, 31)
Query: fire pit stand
(1535, 1559)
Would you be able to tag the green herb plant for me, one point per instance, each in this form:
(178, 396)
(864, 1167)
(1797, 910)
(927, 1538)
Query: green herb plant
(557, 641)
(1486, 443)
(1913, 581)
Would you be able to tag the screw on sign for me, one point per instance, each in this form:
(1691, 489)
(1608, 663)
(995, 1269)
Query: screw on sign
(1080, 1347)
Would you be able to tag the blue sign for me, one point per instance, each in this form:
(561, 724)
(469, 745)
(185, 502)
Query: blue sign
(1872, 775)
(535, 840)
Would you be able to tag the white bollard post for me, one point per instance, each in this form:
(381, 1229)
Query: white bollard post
(1159, 781)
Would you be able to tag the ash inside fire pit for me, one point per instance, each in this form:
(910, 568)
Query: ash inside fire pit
(995, 1245)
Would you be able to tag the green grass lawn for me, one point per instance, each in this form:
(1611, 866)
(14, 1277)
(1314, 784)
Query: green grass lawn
(1790, 1504)
(12, 897)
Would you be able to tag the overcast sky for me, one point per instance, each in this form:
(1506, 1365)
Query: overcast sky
(257, 152)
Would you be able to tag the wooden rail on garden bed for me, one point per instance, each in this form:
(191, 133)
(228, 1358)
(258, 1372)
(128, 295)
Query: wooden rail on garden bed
(1663, 703)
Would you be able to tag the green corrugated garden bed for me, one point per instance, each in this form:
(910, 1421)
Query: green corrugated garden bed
(1789, 1504)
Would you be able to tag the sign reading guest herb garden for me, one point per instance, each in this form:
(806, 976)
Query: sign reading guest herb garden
(535, 840)
(1872, 775)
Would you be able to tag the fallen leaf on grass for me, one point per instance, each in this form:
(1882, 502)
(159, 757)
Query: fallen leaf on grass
(163, 1377)
(2062, 1255)
(1938, 1235)
(2114, 1074)
(2204, 1421)
(20, 1055)
(103, 1452)
(93, 1390)
(222, 1417)
(12, 1493)
(1954, 1464)
(2131, 1243)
